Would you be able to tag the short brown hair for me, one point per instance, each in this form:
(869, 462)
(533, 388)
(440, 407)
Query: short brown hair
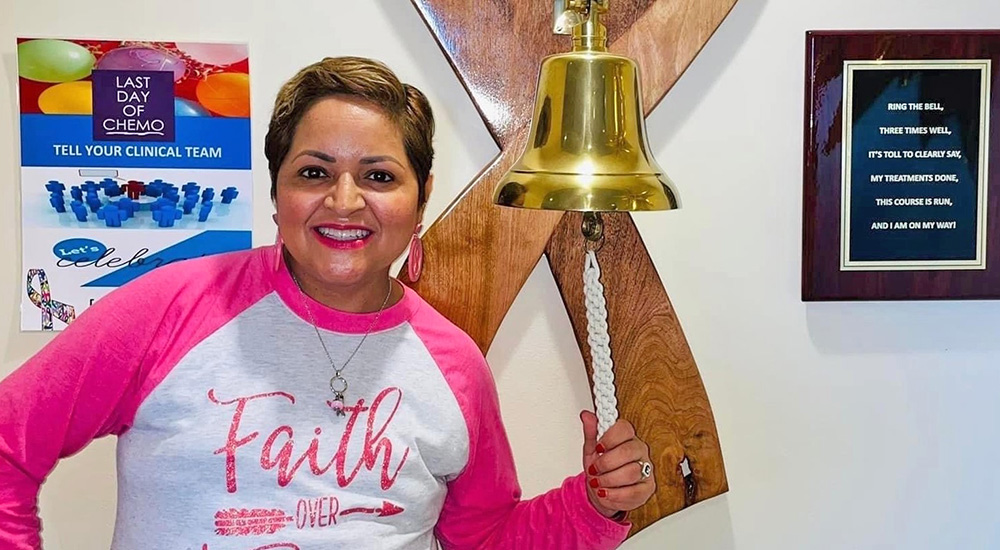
(406, 107)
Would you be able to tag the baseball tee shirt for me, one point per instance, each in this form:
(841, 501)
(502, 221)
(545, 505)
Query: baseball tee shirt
(212, 375)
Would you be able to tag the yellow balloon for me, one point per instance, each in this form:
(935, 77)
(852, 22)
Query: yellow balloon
(68, 98)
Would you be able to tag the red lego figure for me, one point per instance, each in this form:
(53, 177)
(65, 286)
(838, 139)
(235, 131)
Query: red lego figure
(134, 189)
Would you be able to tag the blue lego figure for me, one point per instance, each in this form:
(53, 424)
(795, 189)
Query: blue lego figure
(189, 203)
(90, 187)
(128, 207)
(56, 196)
(58, 202)
(93, 202)
(111, 215)
(171, 194)
(191, 188)
(228, 194)
(206, 207)
(207, 195)
(76, 193)
(79, 209)
(110, 187)
(155, 188)
(161, 202)
(166, 214)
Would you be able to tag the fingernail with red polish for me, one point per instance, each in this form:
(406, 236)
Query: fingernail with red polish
(602, 493)
(599, 448)
(592, 470)
(594, 483)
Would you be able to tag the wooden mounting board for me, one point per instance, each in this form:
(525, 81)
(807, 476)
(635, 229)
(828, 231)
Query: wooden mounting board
(484, 253)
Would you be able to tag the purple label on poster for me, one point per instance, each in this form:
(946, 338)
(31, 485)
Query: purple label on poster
(133, 105)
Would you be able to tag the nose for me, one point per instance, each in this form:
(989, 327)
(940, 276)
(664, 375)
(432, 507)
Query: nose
(345, 197)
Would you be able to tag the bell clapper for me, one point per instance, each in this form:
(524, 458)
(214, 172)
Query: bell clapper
(593, 226)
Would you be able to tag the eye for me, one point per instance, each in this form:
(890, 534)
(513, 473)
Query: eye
(312, 172)
(380, 176)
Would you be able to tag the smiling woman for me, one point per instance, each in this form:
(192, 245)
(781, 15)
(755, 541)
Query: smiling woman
(347, 202)
(296, 395)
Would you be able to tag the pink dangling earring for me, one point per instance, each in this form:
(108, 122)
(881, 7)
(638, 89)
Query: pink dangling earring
(415, 261)
(278, 251)
(279, 245)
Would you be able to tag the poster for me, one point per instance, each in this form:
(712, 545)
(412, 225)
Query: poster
(134, 155)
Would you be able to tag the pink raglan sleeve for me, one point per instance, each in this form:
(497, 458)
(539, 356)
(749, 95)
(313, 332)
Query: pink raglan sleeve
(86, 383)
(484, 509)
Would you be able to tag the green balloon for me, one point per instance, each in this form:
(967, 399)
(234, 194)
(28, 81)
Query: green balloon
(53, 61)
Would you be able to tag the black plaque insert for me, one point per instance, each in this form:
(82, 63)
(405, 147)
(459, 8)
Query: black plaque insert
(914, 189)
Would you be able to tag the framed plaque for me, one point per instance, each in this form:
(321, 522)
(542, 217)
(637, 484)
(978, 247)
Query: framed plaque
(899, 199)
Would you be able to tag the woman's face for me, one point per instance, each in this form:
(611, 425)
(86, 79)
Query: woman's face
(346, 195)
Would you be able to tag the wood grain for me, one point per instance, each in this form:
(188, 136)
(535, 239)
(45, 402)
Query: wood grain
(477, 255)
(496, 48)
(475, 250)
(659, 388)
(666, 38)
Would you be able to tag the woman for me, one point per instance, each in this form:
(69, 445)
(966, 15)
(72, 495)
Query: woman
(295, 396)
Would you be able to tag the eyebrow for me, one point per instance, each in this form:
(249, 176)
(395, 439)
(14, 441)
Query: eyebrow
(318, 154)
(380, 158)
(330, 158)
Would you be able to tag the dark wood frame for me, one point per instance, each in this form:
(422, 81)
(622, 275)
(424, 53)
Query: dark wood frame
(822, 279)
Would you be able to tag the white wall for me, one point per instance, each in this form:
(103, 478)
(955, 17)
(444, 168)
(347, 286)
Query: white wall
(858, 425)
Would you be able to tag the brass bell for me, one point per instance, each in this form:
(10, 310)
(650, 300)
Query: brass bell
(587, 149)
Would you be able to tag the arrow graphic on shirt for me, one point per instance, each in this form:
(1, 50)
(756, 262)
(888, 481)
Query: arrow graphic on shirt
(240, 522)
(275, 546)
(387, 509)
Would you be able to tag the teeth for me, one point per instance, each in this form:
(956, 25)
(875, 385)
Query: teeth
(344, 234)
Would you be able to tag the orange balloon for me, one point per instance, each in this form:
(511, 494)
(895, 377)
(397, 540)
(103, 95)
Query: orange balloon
(226, 94)
(68, 98)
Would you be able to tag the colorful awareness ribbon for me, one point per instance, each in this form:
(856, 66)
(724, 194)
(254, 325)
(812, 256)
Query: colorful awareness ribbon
(43, 301)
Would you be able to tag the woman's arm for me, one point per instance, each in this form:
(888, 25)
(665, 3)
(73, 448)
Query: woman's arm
(89, 381)
(71, 392)
(484, 509)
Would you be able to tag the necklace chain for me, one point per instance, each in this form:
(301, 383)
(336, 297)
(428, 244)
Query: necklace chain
(338, 384)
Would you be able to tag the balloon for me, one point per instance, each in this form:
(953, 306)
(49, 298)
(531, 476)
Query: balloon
(184, 107)
(68, 98)
(214, 54)
(53, 61)
(226, 94)
(142, 58)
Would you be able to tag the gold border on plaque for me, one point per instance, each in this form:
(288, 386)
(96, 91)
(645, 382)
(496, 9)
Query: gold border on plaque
(984, 65)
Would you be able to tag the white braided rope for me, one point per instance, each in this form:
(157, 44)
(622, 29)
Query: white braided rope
(600, 345)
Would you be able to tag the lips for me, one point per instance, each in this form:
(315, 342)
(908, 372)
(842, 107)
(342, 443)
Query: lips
(342, 237)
